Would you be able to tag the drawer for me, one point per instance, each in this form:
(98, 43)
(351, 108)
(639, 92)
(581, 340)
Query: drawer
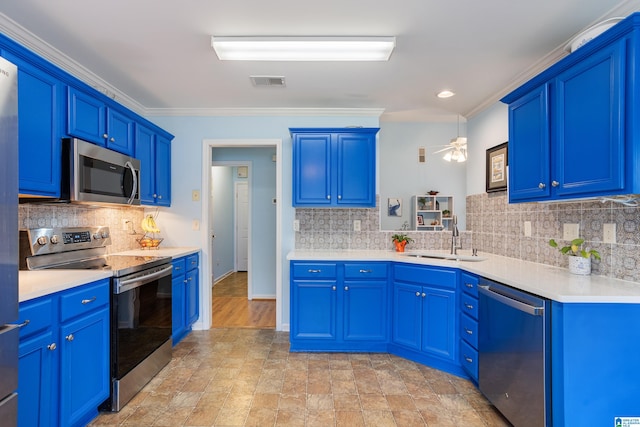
(469, 330)
(469, 359)
(179, 266)
(363, 271)
(469, 284)
(36, 314)
(426, 276)
(84, 299)
(313, 270)
(469, 305)
(192, 262)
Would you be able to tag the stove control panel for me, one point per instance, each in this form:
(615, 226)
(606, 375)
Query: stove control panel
(41, 241)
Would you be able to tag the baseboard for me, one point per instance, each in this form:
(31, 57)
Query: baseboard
(272, 296)
(224, 276)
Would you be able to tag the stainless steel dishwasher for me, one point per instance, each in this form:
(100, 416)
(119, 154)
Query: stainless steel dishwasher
(513, 346)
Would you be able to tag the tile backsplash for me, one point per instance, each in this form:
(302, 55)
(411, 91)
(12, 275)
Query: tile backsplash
(35, 215)
(493, 226)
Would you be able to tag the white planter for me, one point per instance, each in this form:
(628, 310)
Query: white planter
(579, 265)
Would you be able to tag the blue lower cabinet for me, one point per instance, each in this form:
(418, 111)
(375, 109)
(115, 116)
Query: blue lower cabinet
(64, 368)
(185, 295)
(331, 313)
(178, 323)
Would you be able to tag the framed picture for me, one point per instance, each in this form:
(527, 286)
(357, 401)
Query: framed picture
(394, 207)
(420, 220)
(497, 168)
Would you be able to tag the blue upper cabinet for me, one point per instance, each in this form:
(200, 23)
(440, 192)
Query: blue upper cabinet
(572, 132)
(91, 119)
(40, 98)
(334, 167)
(154, 152)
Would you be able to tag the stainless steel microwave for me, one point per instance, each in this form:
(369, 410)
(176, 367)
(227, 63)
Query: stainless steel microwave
(97, 175)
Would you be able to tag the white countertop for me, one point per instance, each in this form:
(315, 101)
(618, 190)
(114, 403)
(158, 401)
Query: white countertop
(546, 281)
(37, 283)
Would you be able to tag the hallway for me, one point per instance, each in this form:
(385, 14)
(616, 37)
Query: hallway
(232, 309)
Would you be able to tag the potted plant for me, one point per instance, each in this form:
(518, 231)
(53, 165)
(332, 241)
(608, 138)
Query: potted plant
(401, 240)
(579, 258)
(422, 203)
(446, 213)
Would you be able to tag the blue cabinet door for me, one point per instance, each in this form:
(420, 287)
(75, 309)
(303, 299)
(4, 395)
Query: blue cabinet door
(365, 311)
(313, 314)
(145, 152)
(120, 132)
(178, 317)
(191, 297)
(163, 171)
(312, 184)
(529, 147)
(407, 315)
(85, 376)
(356, 172)
(439, 333)
(86, 117)
(589, 124)
(40, 97)
(36, 382)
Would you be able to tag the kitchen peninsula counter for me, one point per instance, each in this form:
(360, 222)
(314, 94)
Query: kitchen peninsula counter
(173, 252)
(550, 282)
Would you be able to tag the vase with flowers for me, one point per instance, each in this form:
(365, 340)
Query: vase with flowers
(579, 258)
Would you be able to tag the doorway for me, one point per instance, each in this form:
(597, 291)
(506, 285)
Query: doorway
(273, 272)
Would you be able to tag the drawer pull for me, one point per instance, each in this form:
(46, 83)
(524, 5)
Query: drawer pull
(69, 337)
(417, 294)
(87, 301)
(365, 271)
(424, 295)
(469, 285)
(468, 359)
(468, 331)
(52, 346)
(469, 306)
(315, 271)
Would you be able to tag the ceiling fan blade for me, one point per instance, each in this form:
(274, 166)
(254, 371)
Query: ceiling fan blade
(444, 149)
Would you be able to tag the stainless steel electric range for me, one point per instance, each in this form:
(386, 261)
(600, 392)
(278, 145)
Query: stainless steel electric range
(140, 300)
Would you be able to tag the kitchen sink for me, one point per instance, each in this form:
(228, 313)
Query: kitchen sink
(443, 255)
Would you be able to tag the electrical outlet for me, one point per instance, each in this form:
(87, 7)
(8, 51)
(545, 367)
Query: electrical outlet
(195, 195)
(609, 233)
(527, 229)
(570, 231)
(357, 225)
(195, 225)
(296, 225)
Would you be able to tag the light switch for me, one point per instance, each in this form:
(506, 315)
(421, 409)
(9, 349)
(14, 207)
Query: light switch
(296, 225)
(357, 225)
(570, 231)
(609, 233)
(195, 195)
(527, 229)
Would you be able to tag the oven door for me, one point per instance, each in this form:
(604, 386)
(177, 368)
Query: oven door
(141, 316)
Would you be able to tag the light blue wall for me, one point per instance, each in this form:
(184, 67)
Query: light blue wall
(400, 174)
(222, 195)
(262, 181)
(486, 129)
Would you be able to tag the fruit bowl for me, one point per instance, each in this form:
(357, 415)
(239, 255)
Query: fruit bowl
(149, 242)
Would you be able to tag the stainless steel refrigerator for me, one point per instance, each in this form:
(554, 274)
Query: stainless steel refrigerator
(8, 243)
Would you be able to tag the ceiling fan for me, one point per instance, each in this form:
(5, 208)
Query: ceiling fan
(456, 150)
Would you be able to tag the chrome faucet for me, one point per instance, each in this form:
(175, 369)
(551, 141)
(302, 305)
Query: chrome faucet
(456, 243)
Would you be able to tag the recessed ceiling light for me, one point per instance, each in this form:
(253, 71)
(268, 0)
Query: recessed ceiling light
(303, 48)
(445, 94)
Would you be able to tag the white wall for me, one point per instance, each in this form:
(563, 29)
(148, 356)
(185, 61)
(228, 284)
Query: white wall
(485, 130)
(400, 174)
(222, 196)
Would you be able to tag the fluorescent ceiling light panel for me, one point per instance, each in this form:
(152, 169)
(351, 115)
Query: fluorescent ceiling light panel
(303, 48)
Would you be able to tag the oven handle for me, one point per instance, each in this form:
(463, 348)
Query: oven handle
(128, 284)
(529, 309)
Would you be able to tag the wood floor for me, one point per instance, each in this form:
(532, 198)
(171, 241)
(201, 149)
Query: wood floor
(232, 309)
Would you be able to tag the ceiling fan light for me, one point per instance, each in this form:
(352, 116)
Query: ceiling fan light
(447, 156)
(462, 157)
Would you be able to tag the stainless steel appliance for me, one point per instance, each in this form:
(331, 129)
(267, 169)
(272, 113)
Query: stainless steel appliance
(140, 304)
(513, 346)
(96, 175)
(8, 243)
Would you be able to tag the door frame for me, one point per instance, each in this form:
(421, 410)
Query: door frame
(207, 161)
(236, 227)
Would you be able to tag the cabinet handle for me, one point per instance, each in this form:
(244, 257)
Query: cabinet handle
(155, 195)
(184, 281)
(328, 196)
(542, 185)
(25, 323)
(365, 271)
(339, 197)
(87, 301)
(469, 285)
(52, 346)
(468, 359)
(417, 294)
(112, 139)
(333, 288)
(159, 196)
(315, 271)
(468, 331)
(424, 295)
(69, 337)
(105, 136)
(469, 306)
(346, 288)
(554, 183)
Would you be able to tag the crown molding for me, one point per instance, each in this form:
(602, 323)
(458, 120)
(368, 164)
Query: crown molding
(237, 112)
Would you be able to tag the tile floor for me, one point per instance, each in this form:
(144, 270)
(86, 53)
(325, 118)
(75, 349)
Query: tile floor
(247, 377)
